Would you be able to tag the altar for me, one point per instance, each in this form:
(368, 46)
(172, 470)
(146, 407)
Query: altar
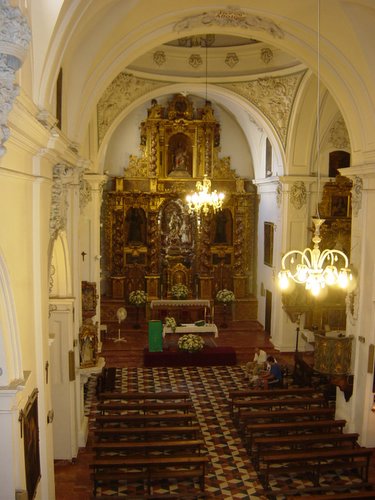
(192, 328)
(186, 309)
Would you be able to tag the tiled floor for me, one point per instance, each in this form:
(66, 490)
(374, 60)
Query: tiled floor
(230, 474)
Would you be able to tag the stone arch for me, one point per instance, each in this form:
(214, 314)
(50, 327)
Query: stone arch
(10, 352)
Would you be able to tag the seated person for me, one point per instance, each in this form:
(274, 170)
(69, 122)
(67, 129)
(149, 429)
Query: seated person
(272, 377)
(258, 363)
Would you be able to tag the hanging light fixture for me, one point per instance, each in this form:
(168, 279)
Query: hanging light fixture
(311, 267)
(203, 200)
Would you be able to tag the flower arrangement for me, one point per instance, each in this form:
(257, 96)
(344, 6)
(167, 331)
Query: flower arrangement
(190, 343)
(179, 291)
(137, 297)
(170, 322)
(225, 296)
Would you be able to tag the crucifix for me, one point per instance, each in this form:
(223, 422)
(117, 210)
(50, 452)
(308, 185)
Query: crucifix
(83, 255)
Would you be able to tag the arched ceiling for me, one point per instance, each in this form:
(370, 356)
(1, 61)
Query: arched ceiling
(94, 42)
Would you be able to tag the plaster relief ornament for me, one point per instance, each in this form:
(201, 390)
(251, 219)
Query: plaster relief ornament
(357, 195)
(338, 135)
(298, 195)
(230, 17)
(274, 96)
(122, 91)
(266, 55)
(15, 36)
(159, 57)
(195, 60)
(231, 59)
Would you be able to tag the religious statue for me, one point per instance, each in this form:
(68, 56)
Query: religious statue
(174, 226)
(180, 158)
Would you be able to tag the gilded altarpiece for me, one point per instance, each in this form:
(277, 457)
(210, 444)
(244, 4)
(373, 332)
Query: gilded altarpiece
(151, 241)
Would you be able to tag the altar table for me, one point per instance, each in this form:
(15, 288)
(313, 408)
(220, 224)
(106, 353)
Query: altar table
(190, 309)
(191, 328)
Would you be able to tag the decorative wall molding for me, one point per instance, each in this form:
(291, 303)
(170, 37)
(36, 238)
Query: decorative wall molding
(274, 96)
(298, 195)
(279, 194)
(357, 195)
(159, 57)
(231, 59)
(338, 134)
(266, 55)
(85, 192)
(123, 90)
(59, 204)
(195, 60)
(15, 36)
(230, 17)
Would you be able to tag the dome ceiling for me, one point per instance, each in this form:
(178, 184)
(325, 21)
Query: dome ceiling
(220, 57)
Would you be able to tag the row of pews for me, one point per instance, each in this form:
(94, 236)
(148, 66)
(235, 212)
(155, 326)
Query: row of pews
(292, 433)
(144, 441)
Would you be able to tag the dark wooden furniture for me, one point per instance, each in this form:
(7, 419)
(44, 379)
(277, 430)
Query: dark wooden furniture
(149, 468)
(314, 462)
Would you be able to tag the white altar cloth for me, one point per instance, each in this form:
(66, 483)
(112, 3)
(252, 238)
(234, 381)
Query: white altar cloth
(186, 303)
(191, 328)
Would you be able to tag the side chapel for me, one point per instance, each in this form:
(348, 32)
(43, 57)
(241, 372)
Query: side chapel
(151, 241)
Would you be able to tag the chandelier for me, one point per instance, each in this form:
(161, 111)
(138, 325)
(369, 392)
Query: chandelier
(311, 267)
(203, 199)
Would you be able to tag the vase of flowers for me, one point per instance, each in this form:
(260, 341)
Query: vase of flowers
(190, 343)
(170, 322)
(137, 298)
(179, 291)
(226, 297)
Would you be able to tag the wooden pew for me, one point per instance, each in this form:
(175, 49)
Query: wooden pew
(272, 393)
(147, 447)
(280, 428)
(147, 419)
(143, 396)
(341, 490)
(247, 416)
(264, 445)
(315, 462)
(116, 469)
(355, 494)
(147, 432)
(271, 404)
(197, 495)
(144, 407)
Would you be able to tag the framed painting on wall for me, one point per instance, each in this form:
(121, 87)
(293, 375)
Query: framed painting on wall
(31, 444)
(268, 243)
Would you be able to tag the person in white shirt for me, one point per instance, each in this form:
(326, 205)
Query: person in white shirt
(258, 364)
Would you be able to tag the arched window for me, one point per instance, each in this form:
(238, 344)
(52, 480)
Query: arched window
(268, 158)
(338, 159)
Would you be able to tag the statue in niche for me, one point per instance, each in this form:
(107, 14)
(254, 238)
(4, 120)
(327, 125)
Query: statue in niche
(135, 221)
(180, 156)
(174, 226)
(221, 228)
